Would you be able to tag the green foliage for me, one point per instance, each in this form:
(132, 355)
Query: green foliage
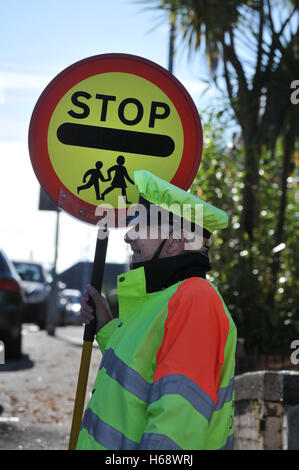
(241, 268)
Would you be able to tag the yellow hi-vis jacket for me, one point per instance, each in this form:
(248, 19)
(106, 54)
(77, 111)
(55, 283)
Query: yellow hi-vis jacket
(166, 378)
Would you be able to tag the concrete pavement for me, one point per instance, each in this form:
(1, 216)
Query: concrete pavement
(37, 392)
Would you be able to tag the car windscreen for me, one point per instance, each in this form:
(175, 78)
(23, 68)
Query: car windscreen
(74, 299)
(29, 272)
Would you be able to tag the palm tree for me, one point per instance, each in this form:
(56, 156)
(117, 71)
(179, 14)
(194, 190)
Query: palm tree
(282, 122)
(227, 29)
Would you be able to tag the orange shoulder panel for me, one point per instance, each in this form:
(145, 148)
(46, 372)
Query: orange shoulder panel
(195, 333)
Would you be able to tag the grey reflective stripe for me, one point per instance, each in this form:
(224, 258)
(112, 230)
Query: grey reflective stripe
(127, 377)
(151, 441)
(181, 385)
(105, 434)
(225, 394)
(229, 445)
(178, 384)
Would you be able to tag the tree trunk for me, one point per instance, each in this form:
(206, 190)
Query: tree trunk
(252, 149)
(279, 232)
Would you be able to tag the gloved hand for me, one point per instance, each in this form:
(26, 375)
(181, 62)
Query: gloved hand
(102, 310)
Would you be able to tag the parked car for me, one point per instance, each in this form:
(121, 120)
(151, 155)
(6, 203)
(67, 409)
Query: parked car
(71, 311)
(36, 283)
(11, 308)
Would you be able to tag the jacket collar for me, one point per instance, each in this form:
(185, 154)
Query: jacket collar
(134, 287)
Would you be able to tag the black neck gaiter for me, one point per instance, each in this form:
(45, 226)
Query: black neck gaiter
(164, 272)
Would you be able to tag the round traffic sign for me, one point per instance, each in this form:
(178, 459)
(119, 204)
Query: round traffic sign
(101, 119)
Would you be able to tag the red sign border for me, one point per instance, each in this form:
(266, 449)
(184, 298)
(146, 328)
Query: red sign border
(69, 77)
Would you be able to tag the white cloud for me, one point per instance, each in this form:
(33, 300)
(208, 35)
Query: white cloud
(23, 81)
(194, 86)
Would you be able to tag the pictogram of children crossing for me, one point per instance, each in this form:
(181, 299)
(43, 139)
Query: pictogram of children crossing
(118, 182)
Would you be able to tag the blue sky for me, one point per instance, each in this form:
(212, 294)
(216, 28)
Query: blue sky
(42, 37)
(39, 39)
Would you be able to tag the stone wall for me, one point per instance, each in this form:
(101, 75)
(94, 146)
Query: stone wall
(267, 410)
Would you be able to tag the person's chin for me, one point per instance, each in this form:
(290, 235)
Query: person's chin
(136, 258)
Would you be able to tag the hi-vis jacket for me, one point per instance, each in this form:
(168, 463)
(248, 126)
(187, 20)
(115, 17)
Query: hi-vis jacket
(166, 376)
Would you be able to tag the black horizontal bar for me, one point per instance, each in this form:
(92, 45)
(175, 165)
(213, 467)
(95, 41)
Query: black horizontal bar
(119, 140)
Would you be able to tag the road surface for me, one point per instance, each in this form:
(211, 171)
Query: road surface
(37, 392)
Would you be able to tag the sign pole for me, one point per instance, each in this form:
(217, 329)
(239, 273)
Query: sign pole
(51, 319)
(88, 338)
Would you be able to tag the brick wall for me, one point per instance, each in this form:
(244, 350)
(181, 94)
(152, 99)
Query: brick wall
(267, 410)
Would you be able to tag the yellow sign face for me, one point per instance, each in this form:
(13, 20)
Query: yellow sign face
(106, 127)
(103, 118)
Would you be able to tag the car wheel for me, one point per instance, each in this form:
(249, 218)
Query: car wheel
(13, 350)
